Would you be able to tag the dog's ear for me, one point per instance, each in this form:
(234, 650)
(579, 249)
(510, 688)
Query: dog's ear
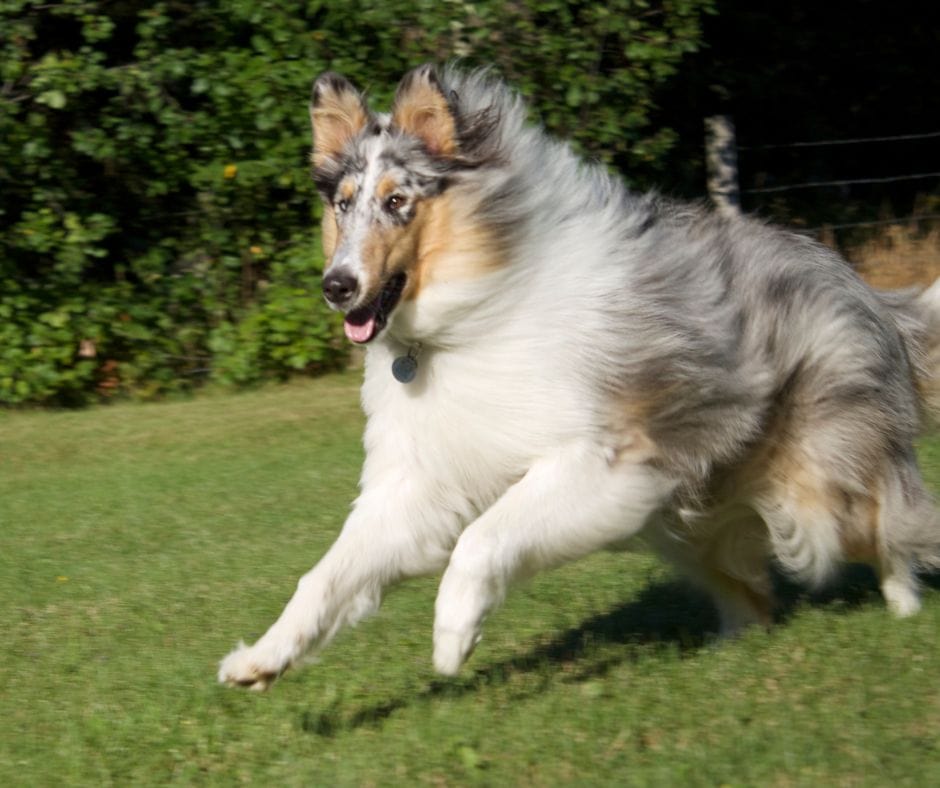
(337, 114)
(422, 109)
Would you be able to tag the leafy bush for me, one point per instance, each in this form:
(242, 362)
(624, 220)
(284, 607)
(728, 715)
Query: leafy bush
(157, 218)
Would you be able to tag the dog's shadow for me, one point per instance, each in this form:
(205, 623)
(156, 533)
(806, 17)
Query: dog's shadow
(669, 615)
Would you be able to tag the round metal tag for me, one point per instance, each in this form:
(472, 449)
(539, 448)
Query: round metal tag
(404, 369)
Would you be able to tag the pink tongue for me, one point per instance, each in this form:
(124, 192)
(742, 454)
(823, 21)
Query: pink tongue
(361, 332)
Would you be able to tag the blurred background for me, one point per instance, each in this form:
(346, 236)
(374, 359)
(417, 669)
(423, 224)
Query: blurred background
(157, 218)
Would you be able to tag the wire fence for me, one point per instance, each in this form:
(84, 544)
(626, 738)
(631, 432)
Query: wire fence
(849, 182)
(913, 218)
(854, 141)
(845, 182)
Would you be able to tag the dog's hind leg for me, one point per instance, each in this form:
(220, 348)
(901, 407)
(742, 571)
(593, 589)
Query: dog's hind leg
(392, 533)
(818, 515)
(908, 535)
(804, 531)
(899, 585)
(580, 499)
(727, 558)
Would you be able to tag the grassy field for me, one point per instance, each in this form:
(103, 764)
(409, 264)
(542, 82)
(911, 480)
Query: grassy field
(138, 543)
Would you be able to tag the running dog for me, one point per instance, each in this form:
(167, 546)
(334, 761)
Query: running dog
(555, 364)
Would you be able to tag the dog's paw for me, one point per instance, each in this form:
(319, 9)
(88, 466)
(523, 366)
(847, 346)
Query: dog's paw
(451, 649)
(902, 597)
(245, 667)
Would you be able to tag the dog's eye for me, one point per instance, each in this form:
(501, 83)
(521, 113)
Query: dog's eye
(343, 205)
(395, 202)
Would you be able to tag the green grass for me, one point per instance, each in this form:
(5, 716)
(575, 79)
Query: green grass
(138, 543)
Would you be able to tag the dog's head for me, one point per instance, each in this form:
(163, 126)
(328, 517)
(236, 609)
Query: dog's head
(385, 180)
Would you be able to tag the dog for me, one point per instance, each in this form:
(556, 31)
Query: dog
(555, 365)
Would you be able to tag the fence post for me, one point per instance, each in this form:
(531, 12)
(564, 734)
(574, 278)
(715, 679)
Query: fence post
(721, 161)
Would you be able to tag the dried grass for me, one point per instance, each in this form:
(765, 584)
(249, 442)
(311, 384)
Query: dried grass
(897, 256)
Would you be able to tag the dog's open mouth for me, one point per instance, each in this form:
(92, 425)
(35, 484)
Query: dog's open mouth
(364, 324)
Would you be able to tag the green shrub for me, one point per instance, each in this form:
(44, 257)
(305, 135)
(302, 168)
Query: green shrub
(157, 218)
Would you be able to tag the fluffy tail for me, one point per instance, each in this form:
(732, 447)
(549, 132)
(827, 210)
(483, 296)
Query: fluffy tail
(917, 314)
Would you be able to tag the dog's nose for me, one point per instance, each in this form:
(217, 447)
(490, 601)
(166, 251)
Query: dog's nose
(340, 287)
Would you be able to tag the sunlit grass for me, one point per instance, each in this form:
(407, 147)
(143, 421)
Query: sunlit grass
(138, 543)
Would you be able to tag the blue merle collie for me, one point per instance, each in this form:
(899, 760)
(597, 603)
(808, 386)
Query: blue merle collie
(555, 364)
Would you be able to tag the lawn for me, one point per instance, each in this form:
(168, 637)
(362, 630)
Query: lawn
(139, 542)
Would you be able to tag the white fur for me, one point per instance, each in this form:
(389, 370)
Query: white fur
(471, 440)
(493, 464)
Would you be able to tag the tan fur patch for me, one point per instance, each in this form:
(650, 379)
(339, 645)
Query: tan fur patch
(386, 252)
(330, 232)
(451, 246)
(336, 120)
(347, 189)
(798, 478)
(640, 410)
(855, 514)
(330, 226)
(632, 421)
(420, 109)
(788, 473)
(858, 531)
(633, 445)
(387, 186)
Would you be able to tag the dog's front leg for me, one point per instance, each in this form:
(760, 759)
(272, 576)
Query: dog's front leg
(582, 498)
(393, 532)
